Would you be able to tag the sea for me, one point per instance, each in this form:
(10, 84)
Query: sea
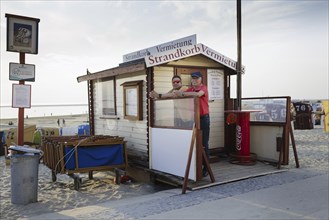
(7, 112)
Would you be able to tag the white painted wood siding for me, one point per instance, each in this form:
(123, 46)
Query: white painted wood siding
(162, 78)
(134, 132)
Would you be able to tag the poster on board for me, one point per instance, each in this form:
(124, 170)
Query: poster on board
(21, 96)
(22, 34)
(215, 84)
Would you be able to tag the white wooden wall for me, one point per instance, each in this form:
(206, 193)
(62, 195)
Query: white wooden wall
(134, 132)
(263, 141)
(162, 79)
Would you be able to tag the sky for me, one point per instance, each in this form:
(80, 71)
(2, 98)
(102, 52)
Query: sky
(284, 43)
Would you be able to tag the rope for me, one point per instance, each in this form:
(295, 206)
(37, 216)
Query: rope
(71, 154)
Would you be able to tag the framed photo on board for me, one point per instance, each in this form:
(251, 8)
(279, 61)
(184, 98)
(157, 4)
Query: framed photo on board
(22, 34)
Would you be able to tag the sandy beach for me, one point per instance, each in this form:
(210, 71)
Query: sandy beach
(60, 195)
(46, 121)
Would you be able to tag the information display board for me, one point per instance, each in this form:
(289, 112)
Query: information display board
(215, 84)
(21, 96)
(19, 72)
(273, 109)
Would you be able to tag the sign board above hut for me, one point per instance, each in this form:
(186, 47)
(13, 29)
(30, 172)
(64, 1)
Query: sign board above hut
(180, 53)
(176, 44)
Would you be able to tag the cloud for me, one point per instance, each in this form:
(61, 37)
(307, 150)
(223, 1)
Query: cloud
(281, 39)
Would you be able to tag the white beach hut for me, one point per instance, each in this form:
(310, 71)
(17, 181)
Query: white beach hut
(119, 103)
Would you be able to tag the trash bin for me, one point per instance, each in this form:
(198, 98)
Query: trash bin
(242, 155)
(24, 174)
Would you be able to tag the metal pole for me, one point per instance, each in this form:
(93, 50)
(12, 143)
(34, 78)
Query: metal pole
(20, 130)
(239, 61)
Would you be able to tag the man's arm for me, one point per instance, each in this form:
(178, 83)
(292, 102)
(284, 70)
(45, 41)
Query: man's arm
(155, 95)
(188, 94)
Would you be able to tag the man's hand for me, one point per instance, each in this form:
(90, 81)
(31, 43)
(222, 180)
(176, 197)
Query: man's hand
(154, 95)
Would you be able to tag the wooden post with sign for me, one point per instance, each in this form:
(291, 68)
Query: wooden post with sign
(20, 130)
(22, 37)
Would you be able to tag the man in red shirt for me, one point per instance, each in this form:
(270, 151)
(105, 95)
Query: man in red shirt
(201, 91)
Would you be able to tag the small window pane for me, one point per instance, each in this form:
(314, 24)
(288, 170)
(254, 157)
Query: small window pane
(177, 113)
(268, 109)
(131, 102)
(105, 96)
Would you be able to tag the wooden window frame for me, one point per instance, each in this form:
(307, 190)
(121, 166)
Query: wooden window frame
(136, 86)
(188, 70)
(113, 82)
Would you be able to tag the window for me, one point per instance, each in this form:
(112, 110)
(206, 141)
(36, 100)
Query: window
(267, 109)
(106, 96)
(185, 74)
(133, 100)
(174, 113)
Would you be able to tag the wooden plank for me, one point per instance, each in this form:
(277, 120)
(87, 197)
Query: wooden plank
(61, 164)
(224, 172)
(294, 146)
(204, 156)
(113, 72)
(197, 60)
(188, 165)
(99, 168)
